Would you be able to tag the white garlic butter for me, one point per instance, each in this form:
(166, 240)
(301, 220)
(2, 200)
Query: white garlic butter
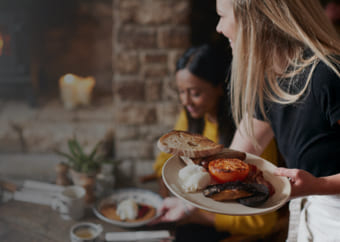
(194, 178)
(127, 209)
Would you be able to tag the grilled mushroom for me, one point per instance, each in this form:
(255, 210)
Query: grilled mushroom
(261, 195)
(249, 194)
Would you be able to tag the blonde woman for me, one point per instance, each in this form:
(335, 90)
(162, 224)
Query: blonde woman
(286, 83)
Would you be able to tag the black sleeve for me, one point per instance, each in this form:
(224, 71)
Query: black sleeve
(326, 86)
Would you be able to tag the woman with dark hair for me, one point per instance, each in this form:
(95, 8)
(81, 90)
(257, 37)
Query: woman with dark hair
(201, 74)
(201, 79)
(211, 66)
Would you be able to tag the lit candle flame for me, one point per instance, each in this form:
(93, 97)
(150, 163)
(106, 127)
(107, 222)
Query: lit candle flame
(76, 90)
(69, 78)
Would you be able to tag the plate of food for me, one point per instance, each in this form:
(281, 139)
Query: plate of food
(223, 181)
(131, 207)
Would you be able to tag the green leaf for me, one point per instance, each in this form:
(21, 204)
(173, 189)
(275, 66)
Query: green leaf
(69, 157)
(94, 151)
(79, 160)
(72, 148)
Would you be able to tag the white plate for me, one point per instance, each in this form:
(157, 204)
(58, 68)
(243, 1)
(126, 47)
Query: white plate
(139, 195)
(197, 199)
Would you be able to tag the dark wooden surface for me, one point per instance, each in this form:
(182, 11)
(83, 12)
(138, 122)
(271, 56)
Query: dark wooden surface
(28, 222)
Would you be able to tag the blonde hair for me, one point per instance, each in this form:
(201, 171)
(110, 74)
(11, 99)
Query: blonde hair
(271, 36)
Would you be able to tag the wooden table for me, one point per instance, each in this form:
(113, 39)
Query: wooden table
(29, 222)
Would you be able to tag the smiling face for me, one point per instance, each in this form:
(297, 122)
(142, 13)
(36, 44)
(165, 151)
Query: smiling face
(226, 23)
(198, 96)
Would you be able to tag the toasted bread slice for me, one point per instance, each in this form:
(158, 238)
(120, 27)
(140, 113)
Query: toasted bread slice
(187, 144)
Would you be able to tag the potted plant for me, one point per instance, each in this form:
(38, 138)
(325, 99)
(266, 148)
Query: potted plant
(83, 166)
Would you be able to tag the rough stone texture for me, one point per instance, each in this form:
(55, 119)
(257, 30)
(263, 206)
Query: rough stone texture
(134, 45)
(153, 90)
(128, 63)
(157, 31)
(167, 114)
(182, 11)
(137, 38)
(135, 114)
(174, 37)
(131, 91)
(155, 71)
(155, 58)
(148, 13)
(135, 149)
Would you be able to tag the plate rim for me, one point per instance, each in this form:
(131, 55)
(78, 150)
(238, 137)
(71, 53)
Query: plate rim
(96, 211)
(256, 211)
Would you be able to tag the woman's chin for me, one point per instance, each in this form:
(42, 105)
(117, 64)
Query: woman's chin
(196, 115)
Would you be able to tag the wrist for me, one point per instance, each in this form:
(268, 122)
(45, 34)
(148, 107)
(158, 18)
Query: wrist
(328, 185)
(188, 209)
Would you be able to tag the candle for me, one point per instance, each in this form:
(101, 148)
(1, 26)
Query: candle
(76, 90)
(84, 90)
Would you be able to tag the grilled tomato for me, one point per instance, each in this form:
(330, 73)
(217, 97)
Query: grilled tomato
(228, 170)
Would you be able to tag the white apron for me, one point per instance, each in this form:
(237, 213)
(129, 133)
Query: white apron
(315, 218)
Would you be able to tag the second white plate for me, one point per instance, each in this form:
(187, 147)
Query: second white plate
(139, 195)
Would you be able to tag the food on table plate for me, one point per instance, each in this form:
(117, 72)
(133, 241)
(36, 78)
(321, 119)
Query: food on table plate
(128, 211)
(187, 144)
(194, 178)
(228, 170)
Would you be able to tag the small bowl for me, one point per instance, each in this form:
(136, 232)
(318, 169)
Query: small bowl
(85, 232)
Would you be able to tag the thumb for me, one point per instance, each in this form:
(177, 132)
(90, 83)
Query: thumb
(284, 172)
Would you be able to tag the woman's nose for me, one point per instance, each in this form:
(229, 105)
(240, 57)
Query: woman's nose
(218, 27)
(186, 100)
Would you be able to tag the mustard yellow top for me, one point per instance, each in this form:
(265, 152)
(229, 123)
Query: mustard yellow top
(249, 225)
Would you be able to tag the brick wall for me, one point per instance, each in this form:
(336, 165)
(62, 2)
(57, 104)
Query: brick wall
(149, 35)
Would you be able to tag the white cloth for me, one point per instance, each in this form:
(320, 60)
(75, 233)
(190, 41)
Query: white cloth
(319, 219)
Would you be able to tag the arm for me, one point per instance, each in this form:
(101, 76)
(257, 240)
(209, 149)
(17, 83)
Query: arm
(263, 134)
(303, 183)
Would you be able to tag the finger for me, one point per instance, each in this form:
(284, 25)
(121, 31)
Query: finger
(285, 172)
(153, 222)
(161, 218)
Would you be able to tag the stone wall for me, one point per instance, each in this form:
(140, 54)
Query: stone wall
(149, 35)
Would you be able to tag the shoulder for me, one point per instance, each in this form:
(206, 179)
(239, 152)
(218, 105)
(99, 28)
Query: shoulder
(322, 69)
(182, 121)
(325, 77)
